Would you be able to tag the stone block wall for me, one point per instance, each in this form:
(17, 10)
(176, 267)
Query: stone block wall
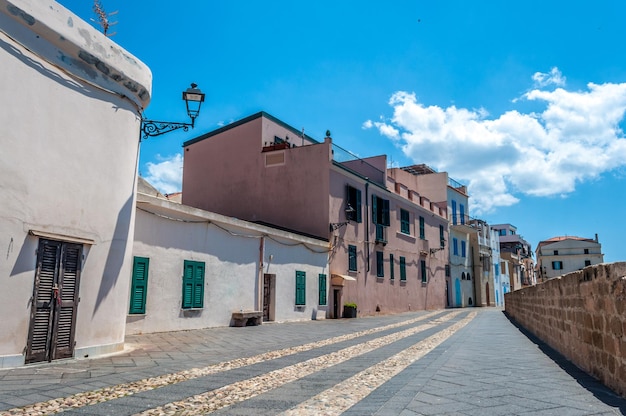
(583, 316)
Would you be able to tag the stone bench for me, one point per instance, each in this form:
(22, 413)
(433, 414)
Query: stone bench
(247, 318)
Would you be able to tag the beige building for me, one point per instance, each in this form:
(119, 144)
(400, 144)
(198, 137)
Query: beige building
(561, 255)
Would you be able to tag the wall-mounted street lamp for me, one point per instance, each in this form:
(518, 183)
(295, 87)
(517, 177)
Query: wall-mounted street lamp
(349, 213)
(193, 98)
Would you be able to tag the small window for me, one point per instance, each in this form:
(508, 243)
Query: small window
(402, 268)
(193, 285)
(455, 246)
(556, 252)
(380, 264)
(463, 248)
(502, 232)
(352, 258)
(557, 265)
(463, 276)
(423, 271)
(139, 285)
(462, 209)
(586, 251)
(322, 289)
(423, 229)
(587, 263)
(405, 224)
(353, 208)
(469, 277)
(447, 270)
(442, 241)
(380, 211)
(300, 288)
(391, 267)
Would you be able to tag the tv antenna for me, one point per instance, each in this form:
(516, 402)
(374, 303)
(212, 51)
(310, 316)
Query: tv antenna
(103, 18)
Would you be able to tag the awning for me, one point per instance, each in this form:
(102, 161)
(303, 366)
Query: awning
(343, 276)
(61, 237)
(340, 279)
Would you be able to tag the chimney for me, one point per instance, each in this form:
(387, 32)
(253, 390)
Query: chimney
(596, 237)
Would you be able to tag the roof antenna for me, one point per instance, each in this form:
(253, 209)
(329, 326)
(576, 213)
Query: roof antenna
(302, 136)
(103, 18)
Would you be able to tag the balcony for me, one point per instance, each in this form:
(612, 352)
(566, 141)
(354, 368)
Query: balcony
(462, 223)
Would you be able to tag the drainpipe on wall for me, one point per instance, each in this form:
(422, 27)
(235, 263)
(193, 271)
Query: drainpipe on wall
(258, 298)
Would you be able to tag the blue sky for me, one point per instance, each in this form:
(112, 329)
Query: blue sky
(522, 101)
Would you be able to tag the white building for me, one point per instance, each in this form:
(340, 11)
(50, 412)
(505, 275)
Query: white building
(194, 268)
(561, 255)
(69, 125)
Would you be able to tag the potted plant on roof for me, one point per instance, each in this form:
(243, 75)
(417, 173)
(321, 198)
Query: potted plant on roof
(349, 310)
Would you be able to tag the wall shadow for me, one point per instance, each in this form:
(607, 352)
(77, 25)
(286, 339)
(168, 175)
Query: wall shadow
(591, 384)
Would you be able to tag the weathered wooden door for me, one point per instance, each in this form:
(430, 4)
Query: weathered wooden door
(267, 296)
(54, 302)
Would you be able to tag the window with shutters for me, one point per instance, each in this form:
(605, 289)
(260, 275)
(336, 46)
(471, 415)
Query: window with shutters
(352, 258)
(405, 223)
(139, 286)
(402, 268)
(391, 268)
(463, 248)
(322, 289)
(423, 271)
(442, 240)
(557, 265)
(353, 208)
(300, 288)
(455, 246)
(380, 211)
(193, 285)
(380, 264)
(422, 228)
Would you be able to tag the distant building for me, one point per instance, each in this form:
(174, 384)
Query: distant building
(517, 257)
(444, 191)
(561, 255)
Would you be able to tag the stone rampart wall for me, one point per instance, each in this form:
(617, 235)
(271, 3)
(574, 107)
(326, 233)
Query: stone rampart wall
(583, 316)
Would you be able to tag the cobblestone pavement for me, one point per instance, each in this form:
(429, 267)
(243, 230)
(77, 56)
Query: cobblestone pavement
(450, 362)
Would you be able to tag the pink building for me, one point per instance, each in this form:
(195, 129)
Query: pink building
(384, 239)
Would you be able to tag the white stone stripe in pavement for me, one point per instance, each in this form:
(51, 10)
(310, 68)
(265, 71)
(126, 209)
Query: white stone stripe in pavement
(115, 392)
(225, 396)
(349, 392)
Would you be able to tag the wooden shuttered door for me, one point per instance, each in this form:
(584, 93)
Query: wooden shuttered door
(193, 285)
(139, 286)
(55, 300)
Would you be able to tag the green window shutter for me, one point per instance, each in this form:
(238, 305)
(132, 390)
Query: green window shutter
(391, 270)
(422, 228)
(423, 271)
(193, 284)
(385, 213)
(352, 258)
(374, 209)
(139, 286)
(442, 241)
(300, 288)
(322, 289)
(402, 268)
(380, 264)
(358, 206)
(405, 223)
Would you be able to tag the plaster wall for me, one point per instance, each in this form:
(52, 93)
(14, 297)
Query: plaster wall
(381, 294)
(231, 250)
(292, 193)
(67, 168)
(582, 316)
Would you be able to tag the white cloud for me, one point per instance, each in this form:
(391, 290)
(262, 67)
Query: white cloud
(554, 77)
(574, 139)
(167, 174)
